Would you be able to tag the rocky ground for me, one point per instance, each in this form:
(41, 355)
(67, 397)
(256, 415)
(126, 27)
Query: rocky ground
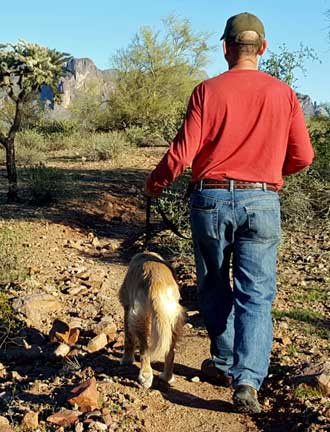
(61, 328)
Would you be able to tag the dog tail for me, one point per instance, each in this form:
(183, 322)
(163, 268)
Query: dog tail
(167, 317)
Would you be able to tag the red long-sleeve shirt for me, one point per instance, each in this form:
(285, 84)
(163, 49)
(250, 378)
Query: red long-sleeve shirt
(243, 125)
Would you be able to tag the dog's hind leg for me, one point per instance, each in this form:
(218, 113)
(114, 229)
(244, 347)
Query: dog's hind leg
(167, 374)
(128, 357)
(145, 375)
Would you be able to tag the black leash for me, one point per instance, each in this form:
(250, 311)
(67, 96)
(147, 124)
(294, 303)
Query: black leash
(168, 223)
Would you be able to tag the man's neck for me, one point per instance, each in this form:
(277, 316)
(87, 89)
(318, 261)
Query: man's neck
(246, 63)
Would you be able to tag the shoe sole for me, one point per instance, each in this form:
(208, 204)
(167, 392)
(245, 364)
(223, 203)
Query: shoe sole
(247, 407)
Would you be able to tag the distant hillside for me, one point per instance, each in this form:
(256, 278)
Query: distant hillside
(84, 72)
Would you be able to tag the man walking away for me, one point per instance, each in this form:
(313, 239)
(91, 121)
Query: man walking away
(244, 130)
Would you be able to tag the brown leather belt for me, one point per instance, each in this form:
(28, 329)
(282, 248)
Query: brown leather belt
(235, 184)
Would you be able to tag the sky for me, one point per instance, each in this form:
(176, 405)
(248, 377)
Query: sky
(98, 28)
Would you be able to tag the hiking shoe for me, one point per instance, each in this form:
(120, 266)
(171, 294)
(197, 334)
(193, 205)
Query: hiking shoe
(213, 375)
(246, 399)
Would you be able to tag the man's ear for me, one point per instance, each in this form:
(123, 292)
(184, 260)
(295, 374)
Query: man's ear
(263, 47)
(224, 47)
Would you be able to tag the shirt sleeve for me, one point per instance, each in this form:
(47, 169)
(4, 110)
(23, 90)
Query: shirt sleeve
(184, 146)
(300, 153)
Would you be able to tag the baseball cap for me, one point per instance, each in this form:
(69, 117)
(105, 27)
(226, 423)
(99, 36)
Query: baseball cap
(243, 22)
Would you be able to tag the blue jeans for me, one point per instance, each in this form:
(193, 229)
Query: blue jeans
(241, 228)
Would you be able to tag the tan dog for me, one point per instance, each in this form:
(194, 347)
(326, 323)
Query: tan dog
(153, 316)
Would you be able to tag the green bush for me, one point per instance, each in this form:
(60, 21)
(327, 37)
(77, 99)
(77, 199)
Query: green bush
(12, 266)
(31, 148)
(52, 126)
(319, 129)
(31, 139)
(104, 146)
(44, 184)
(143, 137)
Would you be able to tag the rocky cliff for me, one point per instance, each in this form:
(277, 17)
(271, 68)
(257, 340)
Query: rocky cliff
(311, 108)
(84, 72)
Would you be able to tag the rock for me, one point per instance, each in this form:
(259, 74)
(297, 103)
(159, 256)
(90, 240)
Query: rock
(106, 326)
(96, 243)
(63, 418)
(195, 379)
(61, 332)
(316, 374)
(30, 420)
(107, 419)
(98, 426)
(15, 376)
(83, 275)
(79, 427)
(86, 396)
(97, 343)
(3, 371)
(62, 350)
(88, 311)
(4, 421)
(119, 341)
(36, 307)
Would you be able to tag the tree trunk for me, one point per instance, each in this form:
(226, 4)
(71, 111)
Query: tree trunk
(12, 195)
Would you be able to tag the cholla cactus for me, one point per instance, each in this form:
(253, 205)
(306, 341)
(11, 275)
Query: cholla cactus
(24, 68)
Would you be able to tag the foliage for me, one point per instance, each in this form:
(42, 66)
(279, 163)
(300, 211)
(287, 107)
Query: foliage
(306, 195)
(44, 184)
(12, 266)
(284, 64)
(106, 146)
(24, 68)
(319, 129)
(144, 137)
(174, 203)
(46, 126)
(155, 77)
(88, 108)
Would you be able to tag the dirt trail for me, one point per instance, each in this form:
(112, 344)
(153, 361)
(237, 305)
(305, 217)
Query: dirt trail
(94, 228)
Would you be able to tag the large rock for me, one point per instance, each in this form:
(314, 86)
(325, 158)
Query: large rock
(64, 418)
(316, 375)
(86, 396)
(37, 307)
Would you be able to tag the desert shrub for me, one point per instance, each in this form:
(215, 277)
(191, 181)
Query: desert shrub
(319, 129)
(296, 206)
(306, 195)
(53, 126)
(104, 146)
(31, 139)
(61, 142)
(175, 205)
(44, 184)
(30, 157)
(144, 137)
(31, 148)
(12, 266)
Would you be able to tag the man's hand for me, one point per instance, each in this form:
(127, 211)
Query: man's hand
(150, 189)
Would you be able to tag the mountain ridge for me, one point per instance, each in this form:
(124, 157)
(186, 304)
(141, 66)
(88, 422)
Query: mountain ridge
(83, 71)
